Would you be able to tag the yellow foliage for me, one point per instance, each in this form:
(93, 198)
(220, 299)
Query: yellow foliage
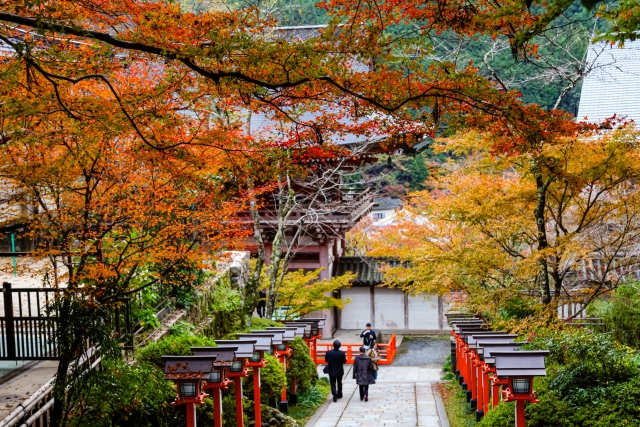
(302, 292)
(477, 230)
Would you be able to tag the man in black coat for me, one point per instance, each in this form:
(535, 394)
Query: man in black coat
(335, 360)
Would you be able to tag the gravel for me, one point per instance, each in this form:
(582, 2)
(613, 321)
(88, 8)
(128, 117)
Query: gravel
(422, 351)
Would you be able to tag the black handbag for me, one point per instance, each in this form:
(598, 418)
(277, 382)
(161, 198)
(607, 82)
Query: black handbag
(326, 369)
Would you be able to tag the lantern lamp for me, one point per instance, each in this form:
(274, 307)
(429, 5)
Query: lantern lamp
(188, 372)
(215, 377)
(236, 366)
(282, 347)
(188, 389)
(307, 335)
(255, 357)
(521, 385)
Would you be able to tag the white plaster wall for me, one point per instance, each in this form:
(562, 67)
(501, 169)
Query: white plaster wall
(423, 312)
(356, 314)
(389, 308)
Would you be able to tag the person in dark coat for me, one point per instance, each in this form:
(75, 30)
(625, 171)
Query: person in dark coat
(363, 373)
(368, 335)
(335, 360)
(262, 303)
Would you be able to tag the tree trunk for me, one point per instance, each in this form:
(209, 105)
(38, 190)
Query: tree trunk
(543, 243)
(250, 294)
(287, 198)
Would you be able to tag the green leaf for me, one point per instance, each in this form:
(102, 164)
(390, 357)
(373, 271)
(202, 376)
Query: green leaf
(589, 4)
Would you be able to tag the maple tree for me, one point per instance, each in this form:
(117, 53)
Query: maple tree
(111, 214)
(122, 121)
(301, 293)
(558, 224)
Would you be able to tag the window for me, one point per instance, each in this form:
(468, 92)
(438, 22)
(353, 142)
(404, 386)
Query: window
(378, 215)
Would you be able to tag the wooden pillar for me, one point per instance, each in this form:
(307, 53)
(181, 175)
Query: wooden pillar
(520, 413)
(237, 385)
(216, 394)
(191, 414)
(373, 306)
(256, 396)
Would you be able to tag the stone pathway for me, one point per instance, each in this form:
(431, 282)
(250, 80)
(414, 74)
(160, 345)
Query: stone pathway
(402, 396)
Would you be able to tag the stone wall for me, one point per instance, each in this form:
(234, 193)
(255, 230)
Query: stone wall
(234, 268)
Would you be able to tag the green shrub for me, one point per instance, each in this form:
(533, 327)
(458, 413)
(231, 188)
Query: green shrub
(301, 365)
(128, 396)
(311, 398)
(178, 345)
(501, 416)
(591, 382)
(621, 313)
(583, 364)
(182, 328)
(516, 307)
(272, 379)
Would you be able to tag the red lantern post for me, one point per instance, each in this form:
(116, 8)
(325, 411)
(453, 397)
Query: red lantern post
(188, 372)
(257, 361)
(518, 368)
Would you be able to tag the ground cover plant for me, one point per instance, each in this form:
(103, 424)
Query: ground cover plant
(592, 381)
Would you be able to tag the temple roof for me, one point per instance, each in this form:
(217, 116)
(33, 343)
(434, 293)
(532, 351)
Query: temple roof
(613, 87)
(386, 203)
(366, 268)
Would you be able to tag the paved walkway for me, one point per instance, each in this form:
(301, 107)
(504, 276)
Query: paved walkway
(21, 386)
(402, 396)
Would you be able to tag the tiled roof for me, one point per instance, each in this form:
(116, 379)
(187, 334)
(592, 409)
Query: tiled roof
(385, 203)
(613, 87)
(366, 268)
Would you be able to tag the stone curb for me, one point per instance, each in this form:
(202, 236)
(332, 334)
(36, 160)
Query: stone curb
(442, 413)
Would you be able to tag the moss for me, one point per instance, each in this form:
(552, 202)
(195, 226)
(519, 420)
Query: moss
(458, 411)
(177, 345)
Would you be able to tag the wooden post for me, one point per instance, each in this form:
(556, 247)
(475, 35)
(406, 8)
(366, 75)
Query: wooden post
(486, 388)
(481, 386)
(237, 385)
(495, 391)
(191, 414)
(216, 393)
(256, 396)
(520, 413)
(283, 406)
(8, 318)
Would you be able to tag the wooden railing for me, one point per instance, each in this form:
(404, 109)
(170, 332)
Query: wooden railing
(387, 351)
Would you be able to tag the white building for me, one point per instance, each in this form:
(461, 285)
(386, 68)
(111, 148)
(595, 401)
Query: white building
(613, 84)
(384, 211)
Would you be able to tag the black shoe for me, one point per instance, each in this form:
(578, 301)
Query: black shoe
(339, 396)
(361, 398)
(366, 398)
(335, 399)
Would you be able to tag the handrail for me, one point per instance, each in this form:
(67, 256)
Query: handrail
(387, 351)
(44, 393)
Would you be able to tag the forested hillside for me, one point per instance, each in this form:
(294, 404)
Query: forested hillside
(553, 79)
(541, 80)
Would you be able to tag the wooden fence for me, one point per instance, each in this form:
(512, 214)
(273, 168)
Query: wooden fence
(387, 351)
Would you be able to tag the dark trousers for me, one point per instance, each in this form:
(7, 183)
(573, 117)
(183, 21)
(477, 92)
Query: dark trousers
(364, 391)
(262, 305)
(336, 386)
